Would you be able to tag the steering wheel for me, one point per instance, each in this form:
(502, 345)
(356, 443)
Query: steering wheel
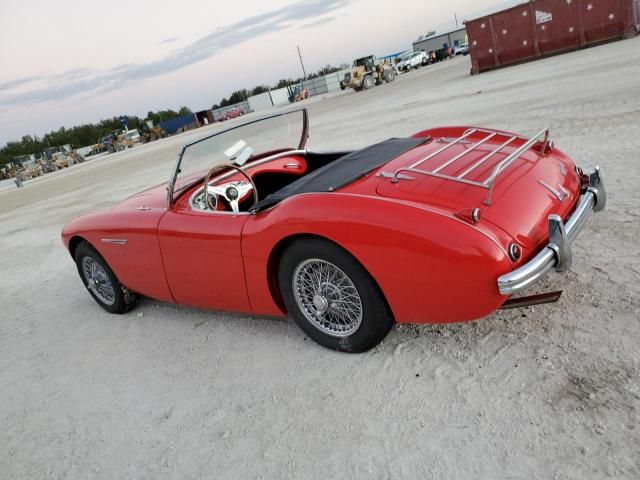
(232, 192)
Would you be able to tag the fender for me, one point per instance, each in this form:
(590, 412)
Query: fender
(431, 266)
(136, 262)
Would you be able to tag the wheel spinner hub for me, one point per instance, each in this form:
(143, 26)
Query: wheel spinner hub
(321, 303)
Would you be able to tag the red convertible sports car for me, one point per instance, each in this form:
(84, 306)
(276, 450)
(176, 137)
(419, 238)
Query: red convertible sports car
(444, 226)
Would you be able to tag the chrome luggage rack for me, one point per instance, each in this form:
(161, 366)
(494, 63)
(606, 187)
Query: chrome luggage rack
(489, 182)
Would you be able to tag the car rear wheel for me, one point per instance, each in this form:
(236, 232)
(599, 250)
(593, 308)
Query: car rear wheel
(332, 298)
(100, 281)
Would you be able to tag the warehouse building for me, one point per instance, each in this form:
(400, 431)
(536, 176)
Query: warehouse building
(442, 40)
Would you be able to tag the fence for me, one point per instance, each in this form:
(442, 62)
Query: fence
(280, 97)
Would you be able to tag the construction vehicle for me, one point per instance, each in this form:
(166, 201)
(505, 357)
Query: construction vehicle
(55, 158)
(124, 140)
(66, 159)
(116, 141)
(152, 134)
(367, 72)
(32, 169)
(14, 170)
(47, 165)
(297, 93)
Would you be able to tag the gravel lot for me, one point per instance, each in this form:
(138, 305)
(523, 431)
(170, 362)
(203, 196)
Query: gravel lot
(174, 392)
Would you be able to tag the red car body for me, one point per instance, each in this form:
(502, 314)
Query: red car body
(232, 113)
(436, 247)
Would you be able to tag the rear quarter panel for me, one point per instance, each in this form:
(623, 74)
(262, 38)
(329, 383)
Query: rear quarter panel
(431, 267)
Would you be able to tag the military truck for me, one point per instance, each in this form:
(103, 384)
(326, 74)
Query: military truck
(367, 72)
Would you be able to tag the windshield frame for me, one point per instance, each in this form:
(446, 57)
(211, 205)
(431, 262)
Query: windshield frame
(172, 194)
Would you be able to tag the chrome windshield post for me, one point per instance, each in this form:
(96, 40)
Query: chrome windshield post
(174, 177)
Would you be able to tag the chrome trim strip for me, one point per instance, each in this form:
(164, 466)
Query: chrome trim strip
(561, 196)
(391, 175)
(115, 241)
(557, 254)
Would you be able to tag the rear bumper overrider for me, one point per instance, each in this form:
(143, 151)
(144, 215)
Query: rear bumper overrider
(557, 254)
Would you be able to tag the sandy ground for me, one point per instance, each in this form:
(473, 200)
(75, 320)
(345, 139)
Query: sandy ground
(174, 392)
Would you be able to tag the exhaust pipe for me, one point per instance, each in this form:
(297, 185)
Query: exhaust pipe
(539, 299)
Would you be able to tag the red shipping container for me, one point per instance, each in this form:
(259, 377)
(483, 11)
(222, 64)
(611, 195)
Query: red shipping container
(546, 27)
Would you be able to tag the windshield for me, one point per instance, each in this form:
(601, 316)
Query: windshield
(239, 143)
(365, 62)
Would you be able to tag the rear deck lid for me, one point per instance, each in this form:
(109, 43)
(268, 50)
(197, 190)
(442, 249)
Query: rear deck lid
(529, 185)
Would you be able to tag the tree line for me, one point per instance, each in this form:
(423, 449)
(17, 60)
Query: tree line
(91, 133)
(82, 135)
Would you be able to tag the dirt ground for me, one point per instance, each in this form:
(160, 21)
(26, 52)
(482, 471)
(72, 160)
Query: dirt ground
(550, 392)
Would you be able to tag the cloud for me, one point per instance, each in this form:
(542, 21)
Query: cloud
(318, 22)
(11, 84)
(79, 81)
(169, 40)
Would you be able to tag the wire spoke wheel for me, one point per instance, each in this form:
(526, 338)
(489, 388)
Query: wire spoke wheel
(98, 281)
(327, 297)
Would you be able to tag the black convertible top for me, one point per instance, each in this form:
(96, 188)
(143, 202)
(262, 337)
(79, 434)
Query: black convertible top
(344, 170)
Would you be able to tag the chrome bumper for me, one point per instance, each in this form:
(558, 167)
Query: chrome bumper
(557, 254)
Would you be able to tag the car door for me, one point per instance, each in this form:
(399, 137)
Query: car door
(202, 258)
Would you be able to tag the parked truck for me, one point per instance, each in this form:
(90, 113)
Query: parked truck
(367, 72)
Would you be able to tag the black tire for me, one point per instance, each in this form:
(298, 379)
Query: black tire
(425, 62)
(123, 299)
(376, 319)
(389, 76)
(367, 82)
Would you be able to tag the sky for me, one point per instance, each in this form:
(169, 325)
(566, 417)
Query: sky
(67, 62)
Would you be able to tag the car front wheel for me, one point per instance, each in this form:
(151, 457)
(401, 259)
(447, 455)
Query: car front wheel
(332, 298)
(100, 281)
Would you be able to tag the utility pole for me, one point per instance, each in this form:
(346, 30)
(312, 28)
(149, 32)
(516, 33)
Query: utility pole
(456, 17)
(301, 62)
